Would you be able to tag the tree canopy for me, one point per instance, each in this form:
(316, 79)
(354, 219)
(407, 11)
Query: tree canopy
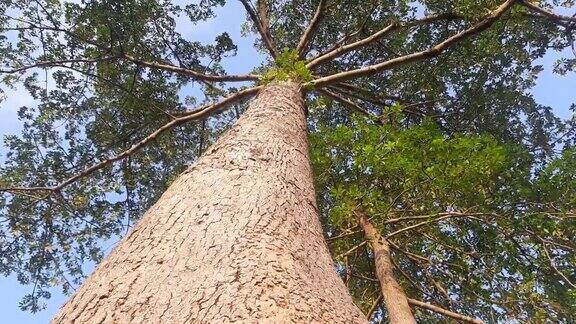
(420, 115)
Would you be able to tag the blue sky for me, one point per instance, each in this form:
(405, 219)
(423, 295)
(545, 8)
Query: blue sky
(552, 90)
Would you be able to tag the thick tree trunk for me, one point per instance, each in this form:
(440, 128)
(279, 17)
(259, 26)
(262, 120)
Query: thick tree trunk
(235, 238)
(395, 300)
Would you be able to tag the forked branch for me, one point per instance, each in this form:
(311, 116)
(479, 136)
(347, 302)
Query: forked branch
(339, 51)
(260, 20)
(418, 56)
(553, 16)
(310, 31)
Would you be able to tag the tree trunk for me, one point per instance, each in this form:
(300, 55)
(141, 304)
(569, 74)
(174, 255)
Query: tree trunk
(395, 300)
(235, 238)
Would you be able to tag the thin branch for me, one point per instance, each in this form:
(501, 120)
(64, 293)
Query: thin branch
(196, 114)
(347, 253)
(192, 73)
(369, 93)
(309, 33)
(374, 307)
(347, 103)
(443, 311)
(438, 217)
(342, 236)
(374, 37)
(554, 267)
(350, 47)
(553, 16)
(418, 56)
(57, 63)
(408, 218)
(263, 29)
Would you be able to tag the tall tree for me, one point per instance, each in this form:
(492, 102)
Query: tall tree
(236, 234)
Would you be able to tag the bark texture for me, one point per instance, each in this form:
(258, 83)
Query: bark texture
(235, 238)
(395, 300)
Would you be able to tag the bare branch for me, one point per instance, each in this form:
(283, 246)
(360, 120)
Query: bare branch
(260, 20)
(443, 311)
(196, 114)
(418, 56)
(372, 38)
(192, 73)
(308, 34)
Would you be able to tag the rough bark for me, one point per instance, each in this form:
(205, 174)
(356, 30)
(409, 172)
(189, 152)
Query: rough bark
(395, 299)
(235, 238)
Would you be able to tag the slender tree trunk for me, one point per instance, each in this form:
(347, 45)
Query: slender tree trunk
(235, 238)
(395, 299)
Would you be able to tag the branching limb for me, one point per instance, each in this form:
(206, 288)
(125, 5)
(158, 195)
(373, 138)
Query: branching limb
(308, 35)
(352, 250)
(201, 112)
(348, 103)
(192, 73)
(553, 265)
(350, 47)
(260, 20)
(434, 218)
(443, 311)
(418, 56)
(56, 63)
(551, 15)
(339, 51)
(374, 307)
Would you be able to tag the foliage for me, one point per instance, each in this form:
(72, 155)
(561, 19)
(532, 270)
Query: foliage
(458, 131)
(472, 221)
(289, 66)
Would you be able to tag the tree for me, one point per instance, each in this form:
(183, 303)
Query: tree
(242, 219)
(459, 220)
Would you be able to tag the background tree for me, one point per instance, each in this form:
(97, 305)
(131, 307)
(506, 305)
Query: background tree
(469, 226)
(464, 66)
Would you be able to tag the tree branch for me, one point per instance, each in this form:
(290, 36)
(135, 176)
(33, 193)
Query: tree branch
(374, 37)
(553, 16)
(261, 22)
(418, 56)
(348, 103)
(192, 73)
(57, 63)
(438, 217)
(196, 114)
(308, 34)
(443, 311)
(347, 253)
(553, 266)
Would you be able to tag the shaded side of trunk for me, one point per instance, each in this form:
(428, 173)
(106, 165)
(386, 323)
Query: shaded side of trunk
(395, 299)
(235, 238)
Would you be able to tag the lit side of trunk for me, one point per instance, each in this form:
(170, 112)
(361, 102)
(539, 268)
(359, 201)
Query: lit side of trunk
(395, 300)
(235, 238)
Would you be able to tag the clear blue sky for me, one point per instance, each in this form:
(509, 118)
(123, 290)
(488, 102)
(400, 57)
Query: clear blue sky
(552, 90)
